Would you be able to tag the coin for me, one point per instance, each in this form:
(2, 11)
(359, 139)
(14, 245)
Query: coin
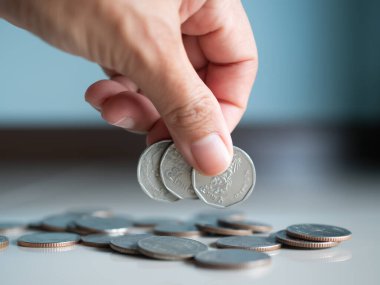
(229, 188)
(179, 230)
(95, 211)
(212, 217)
(48, 240)
(59, 223)
(72, 228)
(176, 174)
(148, 172)
(249, 242)
(113, 225)
(151, 222)
(4, 242)
(128, 243)
(11, 227)
(283, 238)
(170, 248)
(218, 230)
(232, 259)
(245, 224)
(318, 232)
(98, 240)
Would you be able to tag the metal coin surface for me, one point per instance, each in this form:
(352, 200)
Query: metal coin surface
(4, 242)
(113, 225)
(318, 232)
(170, 248)
(176, 174)
(11, 227)
(283, 238)
(224, 231)
(245, 224)
(98, 240)
(48, 240)
(151, 222)
(180, 230)
(229, 188)
(59, 223)
(249, 242)
(148, 172)
(232, 259)
(128, 243)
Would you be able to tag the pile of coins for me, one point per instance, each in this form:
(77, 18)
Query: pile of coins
(164, 175)
(241, 242)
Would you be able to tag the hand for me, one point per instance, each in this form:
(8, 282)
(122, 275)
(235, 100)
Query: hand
(179, 68)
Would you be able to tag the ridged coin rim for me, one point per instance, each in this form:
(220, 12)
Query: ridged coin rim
(282, 237)
(291, 232)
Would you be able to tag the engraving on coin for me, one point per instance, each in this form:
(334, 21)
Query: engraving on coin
(254, 226)
(48, 240)
(283, 238)
(176, 174)
(318, 232)
(148, 172)
(170, 248)
(98, 240)
(4, 242)
(218, 230)
(180, 230)
(249, 242)
(232, 259)
(127, 244)
(229, 188)
(113, 225)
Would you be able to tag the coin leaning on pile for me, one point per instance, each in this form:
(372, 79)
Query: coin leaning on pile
(164, 175)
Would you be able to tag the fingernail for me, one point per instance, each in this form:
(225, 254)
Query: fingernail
(125, 123)
(211, 154)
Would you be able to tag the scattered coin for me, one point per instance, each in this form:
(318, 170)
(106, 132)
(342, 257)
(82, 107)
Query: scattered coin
(11, 227)
(283, 238)
(170, 248)
(254, 226)
(4, 242)
(212, 217)
(151, 222)
(35, 226)
(59, 223)
(128, 243)
(176, 174)
(229, 188)
(112, 225)
(219, 230)
(98, 240)
(179, 230)
(249, 242)
(48, 240)
(318, 232)
(148, 172)
(232, 259)
(96, 211)
(72, 228)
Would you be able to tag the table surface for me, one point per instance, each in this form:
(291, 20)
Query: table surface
(32, 191)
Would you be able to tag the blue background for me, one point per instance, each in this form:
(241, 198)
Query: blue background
(319, 63)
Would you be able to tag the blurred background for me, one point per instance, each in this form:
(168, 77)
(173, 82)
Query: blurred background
(315, 103)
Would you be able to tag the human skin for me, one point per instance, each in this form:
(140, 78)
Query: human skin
(180, 69)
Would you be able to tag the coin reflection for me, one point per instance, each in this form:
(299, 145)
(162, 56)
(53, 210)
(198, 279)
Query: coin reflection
(322, 256)
(46, 250)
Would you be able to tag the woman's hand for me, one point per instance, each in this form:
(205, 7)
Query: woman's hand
(179, 68)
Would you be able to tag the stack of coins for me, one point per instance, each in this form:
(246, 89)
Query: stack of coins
(164, 175)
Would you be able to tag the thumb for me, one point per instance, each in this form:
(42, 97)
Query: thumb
(191, 113)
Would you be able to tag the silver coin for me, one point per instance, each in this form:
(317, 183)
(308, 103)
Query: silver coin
(254, 226)
(229, 188)
(59, 223)
(48, 240)
(249, 242)
(232, 259)
(223, 231)
(10, 227)
(128, 243)
(113, 225)
(98, 240)
(148, 172)
(170, 248)
(212, 217)
(179, 230)
(176, 174)
(4, 242)
(283, 238)
(318, 232)
(151, 222)
(95, 211)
